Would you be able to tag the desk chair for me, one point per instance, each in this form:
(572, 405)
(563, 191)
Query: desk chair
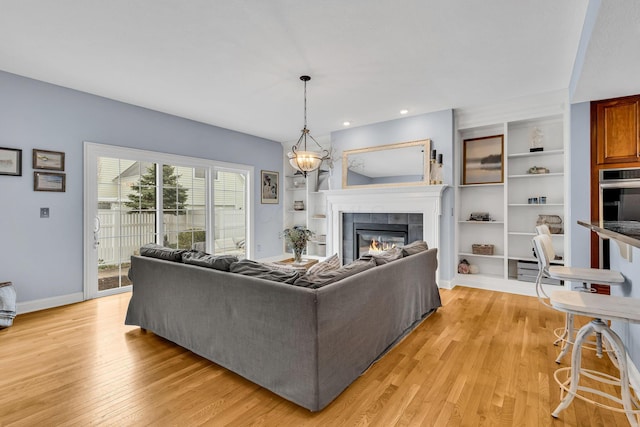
(545, 253)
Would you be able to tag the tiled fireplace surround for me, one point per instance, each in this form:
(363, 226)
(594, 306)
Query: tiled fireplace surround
(395, 203)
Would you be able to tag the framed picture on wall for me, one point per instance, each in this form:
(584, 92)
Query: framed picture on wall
(49, 181)
(483, 160)
(270, 190)
(10, 161)
(51, 160)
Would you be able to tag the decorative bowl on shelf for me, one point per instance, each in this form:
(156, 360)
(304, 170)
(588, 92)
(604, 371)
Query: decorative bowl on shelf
(298, 205)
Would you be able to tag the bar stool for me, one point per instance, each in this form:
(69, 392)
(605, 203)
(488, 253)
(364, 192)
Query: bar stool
(543, 229)
(545, 253)
(601, 307)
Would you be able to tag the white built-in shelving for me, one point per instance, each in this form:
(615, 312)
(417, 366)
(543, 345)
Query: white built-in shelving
(510, 203)
(313, 215)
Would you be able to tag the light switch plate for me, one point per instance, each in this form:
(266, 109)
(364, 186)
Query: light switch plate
(44, 212)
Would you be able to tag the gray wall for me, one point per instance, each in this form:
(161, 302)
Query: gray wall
(579, 184)
(436, 126)
(44, 257)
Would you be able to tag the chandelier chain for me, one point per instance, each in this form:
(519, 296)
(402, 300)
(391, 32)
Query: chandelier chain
(305, 104)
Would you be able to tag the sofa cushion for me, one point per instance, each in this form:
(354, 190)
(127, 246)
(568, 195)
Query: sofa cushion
(203, 259)
(331, 263)
(414, 248)
(156, 251)
(388, 256)
(324, 278)
(253, 268)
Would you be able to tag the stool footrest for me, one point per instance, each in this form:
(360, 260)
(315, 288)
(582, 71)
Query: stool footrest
(588, 345)
(597, 376)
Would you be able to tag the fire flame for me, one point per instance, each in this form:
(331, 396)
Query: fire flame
(377, 246)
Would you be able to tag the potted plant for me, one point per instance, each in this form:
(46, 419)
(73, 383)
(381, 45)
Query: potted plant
(297, 237)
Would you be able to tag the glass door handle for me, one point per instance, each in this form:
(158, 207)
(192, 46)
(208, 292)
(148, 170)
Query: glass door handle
(96, 230)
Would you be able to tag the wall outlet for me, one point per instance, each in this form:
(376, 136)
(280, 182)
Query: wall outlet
(44, 212)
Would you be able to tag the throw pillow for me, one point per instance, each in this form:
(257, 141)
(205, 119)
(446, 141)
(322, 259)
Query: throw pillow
(331, 263)
(414, 248)
(203, 259)
(253, 268)
(388, 256)
(156, 251)
(366, 257)
(327, 277)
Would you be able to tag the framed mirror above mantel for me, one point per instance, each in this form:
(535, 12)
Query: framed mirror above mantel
(401, 164)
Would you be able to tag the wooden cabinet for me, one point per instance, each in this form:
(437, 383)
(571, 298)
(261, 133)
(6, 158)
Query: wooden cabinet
(615, 143)
(616, 130)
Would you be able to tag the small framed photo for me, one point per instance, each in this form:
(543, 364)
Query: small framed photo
(49, 181)
(50, 160)
(270, 188)
(10, 161)
(483, 160)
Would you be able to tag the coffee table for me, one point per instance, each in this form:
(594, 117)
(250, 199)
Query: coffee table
(289, 263)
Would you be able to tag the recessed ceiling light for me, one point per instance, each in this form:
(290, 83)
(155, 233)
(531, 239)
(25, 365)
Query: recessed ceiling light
(405, 111)
(346, 123)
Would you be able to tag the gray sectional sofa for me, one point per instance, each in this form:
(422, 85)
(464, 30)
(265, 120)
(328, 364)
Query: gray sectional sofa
(306, 345)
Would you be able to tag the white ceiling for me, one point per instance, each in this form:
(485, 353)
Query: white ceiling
(236, 64)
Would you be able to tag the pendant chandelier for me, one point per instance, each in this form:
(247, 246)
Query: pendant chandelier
(300, 157)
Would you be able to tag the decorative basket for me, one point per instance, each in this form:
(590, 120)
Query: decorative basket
(554, 222)
(478, 249)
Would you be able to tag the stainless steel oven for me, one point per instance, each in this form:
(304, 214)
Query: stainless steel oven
(620, 194)
(619, 201)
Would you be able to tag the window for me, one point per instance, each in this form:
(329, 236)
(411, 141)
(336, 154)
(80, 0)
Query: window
(230, 196)
(184, 207)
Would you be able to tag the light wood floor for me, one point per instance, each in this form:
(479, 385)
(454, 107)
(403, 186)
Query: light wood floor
(485, 358)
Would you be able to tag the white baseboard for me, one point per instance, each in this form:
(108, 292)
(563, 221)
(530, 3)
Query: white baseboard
(445, 284)
(42, 304)
(498, 284)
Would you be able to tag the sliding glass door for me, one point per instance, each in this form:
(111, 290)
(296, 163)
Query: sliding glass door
(133, 198)
(123, 221)
(230, 202)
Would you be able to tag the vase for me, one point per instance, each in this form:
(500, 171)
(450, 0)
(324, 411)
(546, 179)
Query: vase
(297, 254)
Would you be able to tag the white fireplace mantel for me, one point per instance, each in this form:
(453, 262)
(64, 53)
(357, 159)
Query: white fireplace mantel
(426, 200)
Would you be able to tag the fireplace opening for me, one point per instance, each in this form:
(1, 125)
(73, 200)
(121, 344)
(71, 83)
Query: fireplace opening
(375, 238)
